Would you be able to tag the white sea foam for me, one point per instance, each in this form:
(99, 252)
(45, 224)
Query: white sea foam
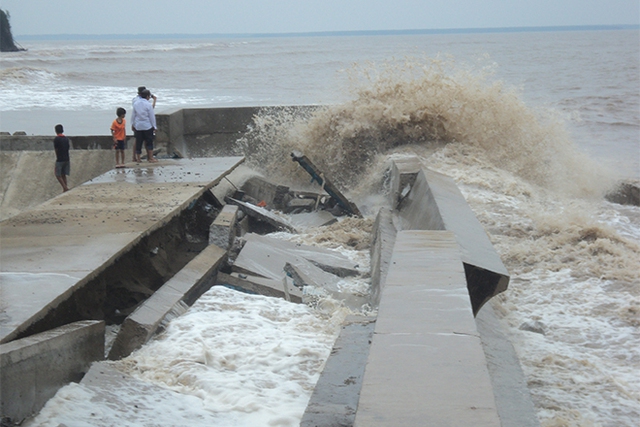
(232, 359)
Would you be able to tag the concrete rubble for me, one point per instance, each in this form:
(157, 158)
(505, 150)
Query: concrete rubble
(419, 360)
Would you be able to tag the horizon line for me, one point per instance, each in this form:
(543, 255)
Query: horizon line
(333, 33)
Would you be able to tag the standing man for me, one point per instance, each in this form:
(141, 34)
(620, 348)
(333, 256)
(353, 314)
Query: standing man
(143, 123)
(63, 164)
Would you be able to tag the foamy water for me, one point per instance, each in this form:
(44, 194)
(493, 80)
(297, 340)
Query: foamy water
(533, 142)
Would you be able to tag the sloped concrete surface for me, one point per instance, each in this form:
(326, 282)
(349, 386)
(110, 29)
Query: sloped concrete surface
(185, 287)
(436, 203)
(335, 398)
(71, 238)
(426, 364)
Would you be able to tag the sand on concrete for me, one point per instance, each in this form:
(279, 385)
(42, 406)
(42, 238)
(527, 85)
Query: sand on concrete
(27, 178)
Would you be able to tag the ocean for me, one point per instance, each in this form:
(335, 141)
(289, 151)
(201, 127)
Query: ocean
(533, 126)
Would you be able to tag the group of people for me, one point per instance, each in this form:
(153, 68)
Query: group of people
(143, 125)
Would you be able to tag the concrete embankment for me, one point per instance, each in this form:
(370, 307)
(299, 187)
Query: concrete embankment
(424, 360)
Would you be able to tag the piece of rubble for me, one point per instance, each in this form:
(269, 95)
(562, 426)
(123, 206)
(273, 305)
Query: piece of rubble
(275, 196)
(261, 286)
(312, 219)
(264, 215)
(222, 230)
(304, 273)
(265, 256)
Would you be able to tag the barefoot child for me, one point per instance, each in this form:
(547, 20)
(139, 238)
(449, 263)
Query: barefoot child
(119, 133)
(63, 165)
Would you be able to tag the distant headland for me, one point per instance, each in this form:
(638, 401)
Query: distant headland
(6, 39)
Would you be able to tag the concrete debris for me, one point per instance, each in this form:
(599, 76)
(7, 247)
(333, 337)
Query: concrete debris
(261, 286)
(265, 256)
(223, 229)
(312, 219)
(263, 215)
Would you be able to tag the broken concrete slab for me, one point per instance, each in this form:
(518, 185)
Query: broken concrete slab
(265, 256)
(335, 398)
(261, 286)
(436, 203)
(264, 215)
(300, 205)
(326, 184)
(303, 221)
(306, 274)
(275, 196)
(223, 229)
(32, 369)
(183, 288)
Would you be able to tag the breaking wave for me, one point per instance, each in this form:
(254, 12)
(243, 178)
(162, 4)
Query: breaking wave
(428, 103)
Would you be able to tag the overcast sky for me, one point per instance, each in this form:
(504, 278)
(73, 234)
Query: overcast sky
(33, 17)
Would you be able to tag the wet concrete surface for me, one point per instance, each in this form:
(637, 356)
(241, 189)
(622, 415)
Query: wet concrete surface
(50, 251)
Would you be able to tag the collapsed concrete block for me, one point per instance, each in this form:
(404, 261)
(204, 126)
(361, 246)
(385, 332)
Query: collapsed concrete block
(261, 286)
(265, 256)
(32, 369)
(305, 273)
(300, 205)
(335, 396)
(436, 203)
(275, 196)
(183, 288)
(263, 215)
(223, 228)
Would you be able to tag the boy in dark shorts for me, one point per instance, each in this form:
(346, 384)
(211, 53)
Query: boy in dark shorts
(63, 165)
(119, 133)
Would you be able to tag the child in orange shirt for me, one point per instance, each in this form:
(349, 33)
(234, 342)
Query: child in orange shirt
(119, 133)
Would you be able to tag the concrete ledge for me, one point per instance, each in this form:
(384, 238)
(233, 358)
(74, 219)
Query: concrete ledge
(436, 203)
(32, 369)
(183, 288)
(383, 237)
(335, 397)
(426, 365)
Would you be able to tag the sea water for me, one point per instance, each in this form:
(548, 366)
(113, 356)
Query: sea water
(533, 127)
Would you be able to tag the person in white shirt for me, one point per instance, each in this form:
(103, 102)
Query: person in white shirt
(143, 123)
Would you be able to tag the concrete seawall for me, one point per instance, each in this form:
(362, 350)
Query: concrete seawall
(425, 360)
